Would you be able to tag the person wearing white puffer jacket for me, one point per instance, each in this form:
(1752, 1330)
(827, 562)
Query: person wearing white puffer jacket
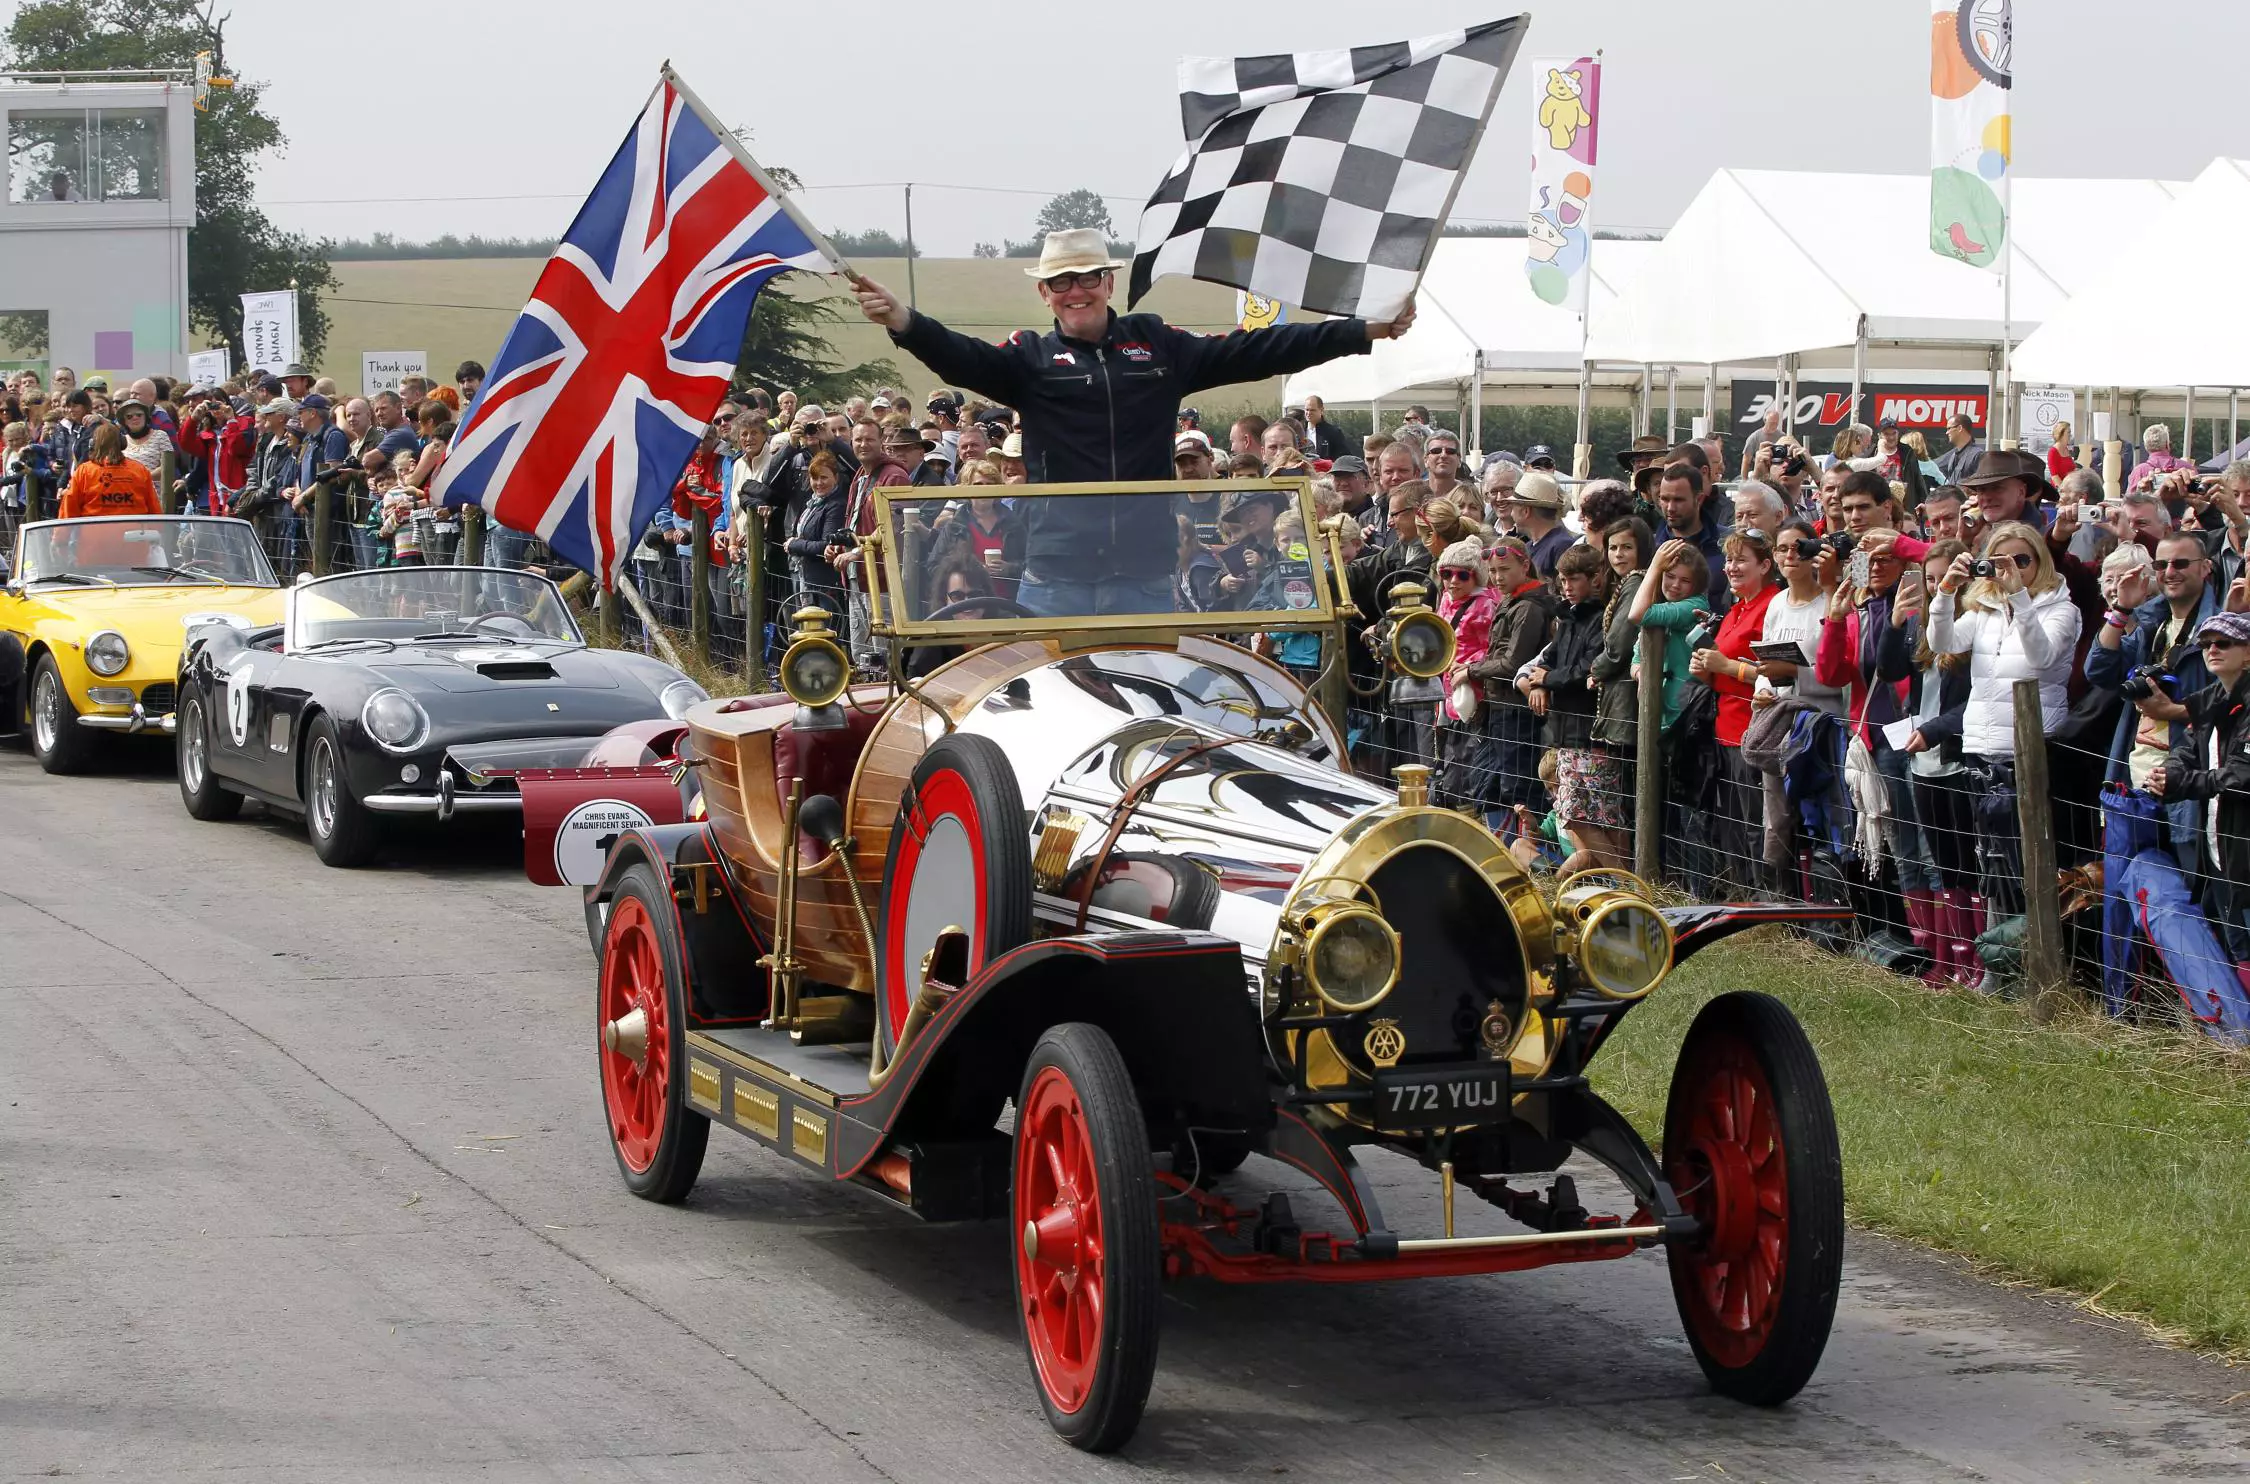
(2016, 624)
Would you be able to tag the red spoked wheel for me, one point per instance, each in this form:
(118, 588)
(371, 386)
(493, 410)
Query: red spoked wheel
(1750, 1149)
(1087, 1257)
(640, 1034)
(959, 860)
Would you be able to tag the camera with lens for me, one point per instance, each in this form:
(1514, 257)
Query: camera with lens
(1842, 543)
(2146, 682)
(1982, 567)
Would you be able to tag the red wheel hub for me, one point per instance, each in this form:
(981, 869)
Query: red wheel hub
(633, 979)
(1731, 1176)
(1059, 1227)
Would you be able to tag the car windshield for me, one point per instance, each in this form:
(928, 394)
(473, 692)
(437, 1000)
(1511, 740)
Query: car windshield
(484, 604)
(986, 561)
(142, 551)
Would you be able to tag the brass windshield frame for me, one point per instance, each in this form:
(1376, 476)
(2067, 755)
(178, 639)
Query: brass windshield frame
(893, 620)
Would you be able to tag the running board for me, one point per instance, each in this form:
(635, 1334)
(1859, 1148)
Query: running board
(964, 1180)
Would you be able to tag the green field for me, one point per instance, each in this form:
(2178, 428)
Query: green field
(457, 309)
(2084, 1155)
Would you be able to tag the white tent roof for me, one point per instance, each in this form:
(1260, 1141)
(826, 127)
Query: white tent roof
(1765, 263)
(2170, 307)
(1475, 297)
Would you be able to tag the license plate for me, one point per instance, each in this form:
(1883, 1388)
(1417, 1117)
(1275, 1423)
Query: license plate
(1440, 1097)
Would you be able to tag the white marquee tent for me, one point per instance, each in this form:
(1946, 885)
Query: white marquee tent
(1475, 300)
(1764, 264)
(2170, 306)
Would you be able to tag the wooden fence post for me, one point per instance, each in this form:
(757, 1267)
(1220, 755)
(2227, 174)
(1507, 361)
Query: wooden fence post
(323, 494)
(2042, 891)
(754, 594)
(699, 578)
(166, 473)
(1648, 764)
(472, 535)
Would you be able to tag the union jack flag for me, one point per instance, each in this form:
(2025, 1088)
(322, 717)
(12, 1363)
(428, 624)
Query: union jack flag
(599, 394)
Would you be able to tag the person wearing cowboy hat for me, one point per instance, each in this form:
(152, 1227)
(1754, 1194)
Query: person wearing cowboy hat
(1535, 507)
(2009, 484)
(1646, 450)
(1099, 395)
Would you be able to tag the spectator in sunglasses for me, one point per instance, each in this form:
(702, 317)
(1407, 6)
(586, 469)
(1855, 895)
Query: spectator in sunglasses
(1465, 741)
(2151, 627)
(2210, 764)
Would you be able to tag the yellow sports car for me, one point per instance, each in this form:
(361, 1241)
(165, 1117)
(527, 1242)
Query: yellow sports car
(95, 613)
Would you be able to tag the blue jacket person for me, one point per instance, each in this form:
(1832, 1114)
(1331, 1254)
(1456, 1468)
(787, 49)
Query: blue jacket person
(1100, 397)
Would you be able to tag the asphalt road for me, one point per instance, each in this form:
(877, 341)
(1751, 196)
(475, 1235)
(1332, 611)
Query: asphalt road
(303, 1177)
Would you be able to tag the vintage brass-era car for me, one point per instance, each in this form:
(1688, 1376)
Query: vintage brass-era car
(96, 611)
(1062, 928)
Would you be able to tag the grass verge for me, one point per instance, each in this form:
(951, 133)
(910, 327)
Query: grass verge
(2082, 1155)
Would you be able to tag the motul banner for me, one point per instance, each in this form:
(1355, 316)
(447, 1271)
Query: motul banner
(1822, 407)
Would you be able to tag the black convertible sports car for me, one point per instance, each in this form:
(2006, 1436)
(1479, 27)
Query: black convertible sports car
(404, 690)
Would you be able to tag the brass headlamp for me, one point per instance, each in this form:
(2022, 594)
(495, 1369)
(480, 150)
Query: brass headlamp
(1421, 648)
(815, 671)
(1620, 942)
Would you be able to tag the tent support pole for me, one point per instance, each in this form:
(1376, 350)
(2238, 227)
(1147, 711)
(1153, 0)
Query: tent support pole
(1859, 371)
(1710, 398)
(1647, 417)
(2234, 420)
(1671, 404)
(1582, 454)
(1794, 366)
(1781, 397)
(1476, 403)
(2187, 430)
(2007, 340)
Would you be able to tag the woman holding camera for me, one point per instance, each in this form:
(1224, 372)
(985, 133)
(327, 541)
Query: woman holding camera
(1731, 670)
(2010, 613)
(1810, 568)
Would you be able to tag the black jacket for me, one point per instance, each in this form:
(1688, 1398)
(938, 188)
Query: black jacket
(819, 526)
(1894, 661)
(1569, 659)
(2216, 713)
(1107, 411)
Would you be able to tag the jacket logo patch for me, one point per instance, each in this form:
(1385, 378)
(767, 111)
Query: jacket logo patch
(1134, 350)
(1066, 358)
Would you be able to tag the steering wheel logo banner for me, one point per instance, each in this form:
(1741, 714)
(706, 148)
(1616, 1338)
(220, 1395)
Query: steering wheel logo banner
(1971, 150)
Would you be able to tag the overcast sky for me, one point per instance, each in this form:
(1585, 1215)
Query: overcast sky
(530, 99)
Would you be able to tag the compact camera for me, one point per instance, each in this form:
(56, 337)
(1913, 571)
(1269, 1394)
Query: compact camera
(1842, 543)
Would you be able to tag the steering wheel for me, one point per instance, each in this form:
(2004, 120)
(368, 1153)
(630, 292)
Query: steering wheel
(484, 618)
(1009, 608)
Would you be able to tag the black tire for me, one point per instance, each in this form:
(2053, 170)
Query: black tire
(1093, 1396)
(57, 740)
(344, 831)
(206, 798)
(666, 1170)
(963, 781)
(1748, 1127)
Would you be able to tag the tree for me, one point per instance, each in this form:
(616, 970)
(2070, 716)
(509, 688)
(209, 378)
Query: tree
(233, 248)
(872, 243)
(786, 345)
(1079, 208)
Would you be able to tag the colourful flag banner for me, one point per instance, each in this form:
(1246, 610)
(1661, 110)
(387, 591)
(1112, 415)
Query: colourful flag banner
(1564, 129)
(1971, 154)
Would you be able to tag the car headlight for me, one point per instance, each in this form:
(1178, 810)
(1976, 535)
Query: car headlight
(395, 720)
(107, 653)
(1351, 957)
(1624, 944)
(815, 671)
(680, 695)
(1422, 644)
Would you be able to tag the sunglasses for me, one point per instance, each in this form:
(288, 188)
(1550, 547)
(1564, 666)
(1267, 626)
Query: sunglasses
(2024, 560)
(1457, 574)
(1437, 448)
(2176, 564)
(958, 595)
(1063, 283)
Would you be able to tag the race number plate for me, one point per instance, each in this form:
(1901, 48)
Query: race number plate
(1440, 1097)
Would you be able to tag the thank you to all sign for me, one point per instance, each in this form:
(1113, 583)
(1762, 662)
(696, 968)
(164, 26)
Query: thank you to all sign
(383, 370)
(269, 329)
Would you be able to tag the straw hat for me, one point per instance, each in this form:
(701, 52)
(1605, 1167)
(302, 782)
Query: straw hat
(1079, 250)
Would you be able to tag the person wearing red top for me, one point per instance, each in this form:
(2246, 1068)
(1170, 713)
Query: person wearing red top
(1470, 607)
(2059, 461)
(889, 461)
(223, 440)
(1729, 668)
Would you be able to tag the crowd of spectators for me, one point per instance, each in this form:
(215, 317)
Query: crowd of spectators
(1839, 632)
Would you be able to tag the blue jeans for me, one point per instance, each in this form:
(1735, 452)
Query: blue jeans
(1917, 868)
(503, 547)
(1107, 597)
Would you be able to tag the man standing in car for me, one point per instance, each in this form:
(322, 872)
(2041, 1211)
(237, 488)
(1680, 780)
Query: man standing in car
(1100, 396)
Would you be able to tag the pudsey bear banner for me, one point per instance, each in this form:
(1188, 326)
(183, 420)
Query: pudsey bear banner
(1564, 130)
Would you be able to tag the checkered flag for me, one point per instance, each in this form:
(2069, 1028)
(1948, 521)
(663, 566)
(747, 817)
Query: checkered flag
(1322, 178)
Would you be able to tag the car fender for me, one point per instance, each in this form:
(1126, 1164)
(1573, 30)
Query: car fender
(1176, 1004)
(726, 984)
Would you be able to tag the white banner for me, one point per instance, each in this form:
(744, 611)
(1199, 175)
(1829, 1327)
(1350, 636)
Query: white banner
(269, 329)
(209, 367)
(2041, 407)
(1971, 148)
(1566, 122)
(383, 370)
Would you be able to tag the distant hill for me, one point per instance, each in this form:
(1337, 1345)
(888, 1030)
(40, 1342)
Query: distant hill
(457, 309)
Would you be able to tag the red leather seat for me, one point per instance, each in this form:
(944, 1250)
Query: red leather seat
(825, 760)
